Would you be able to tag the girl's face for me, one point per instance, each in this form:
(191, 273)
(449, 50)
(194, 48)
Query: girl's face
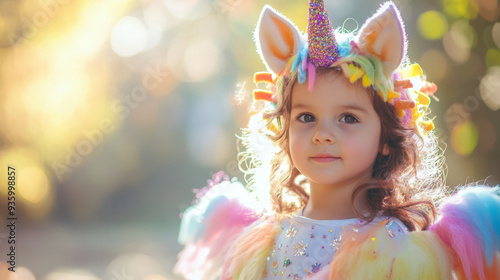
(334, 131)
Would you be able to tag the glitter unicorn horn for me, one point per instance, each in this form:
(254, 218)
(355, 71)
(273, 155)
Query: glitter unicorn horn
(322, 44)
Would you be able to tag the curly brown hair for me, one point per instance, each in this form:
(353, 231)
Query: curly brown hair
(405, 184)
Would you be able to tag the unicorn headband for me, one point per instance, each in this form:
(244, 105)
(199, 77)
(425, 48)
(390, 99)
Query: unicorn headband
(374, 56)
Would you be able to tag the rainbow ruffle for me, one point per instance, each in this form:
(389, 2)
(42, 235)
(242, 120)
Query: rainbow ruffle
(227, 238)
(463, 244)
(470, 228)
(209, 228)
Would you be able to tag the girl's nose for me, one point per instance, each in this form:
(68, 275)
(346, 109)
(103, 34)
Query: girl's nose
(324, 135)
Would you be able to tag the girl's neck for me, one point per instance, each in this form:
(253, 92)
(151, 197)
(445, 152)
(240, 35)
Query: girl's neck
(328, 202)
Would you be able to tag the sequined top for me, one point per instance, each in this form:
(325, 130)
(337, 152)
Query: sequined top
(306, 246)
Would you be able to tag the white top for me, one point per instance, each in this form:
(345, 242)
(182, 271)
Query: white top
(306, 246)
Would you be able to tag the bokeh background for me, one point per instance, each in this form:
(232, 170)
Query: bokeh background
(113, 111)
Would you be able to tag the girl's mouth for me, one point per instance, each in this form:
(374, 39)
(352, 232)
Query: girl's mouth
(324, 158)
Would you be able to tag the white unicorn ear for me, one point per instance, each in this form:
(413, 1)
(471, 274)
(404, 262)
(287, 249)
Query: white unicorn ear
(277, 39)
(383, 35)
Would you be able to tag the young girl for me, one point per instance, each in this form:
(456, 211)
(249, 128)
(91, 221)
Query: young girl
(344, 170)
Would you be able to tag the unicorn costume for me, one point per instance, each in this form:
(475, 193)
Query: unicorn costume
(227, 236)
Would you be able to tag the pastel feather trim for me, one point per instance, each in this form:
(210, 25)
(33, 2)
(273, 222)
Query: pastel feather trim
(470, 226)
(463, 244)
(379, 254)
(247, 257)
(224, 238)
(209, 228)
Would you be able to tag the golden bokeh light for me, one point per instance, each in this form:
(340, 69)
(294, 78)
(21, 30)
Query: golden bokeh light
(464, 138)
(129, 37)
(52, 79)
(460, 8)
(34, 187)
(432, 25)
(71, 274)
(18, 158)
(467, 31)
(456, 46)
(490, 88)
(495, 33)
(492, 57)
(202, 59)
(197, 55)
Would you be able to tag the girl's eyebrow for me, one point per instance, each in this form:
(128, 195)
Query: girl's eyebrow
(344, 106)
(354, 107)
(300, 106)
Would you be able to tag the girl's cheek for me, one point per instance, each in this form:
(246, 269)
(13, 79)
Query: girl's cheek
(355, 144)
(297, 129)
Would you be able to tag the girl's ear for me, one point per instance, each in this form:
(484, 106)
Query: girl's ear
(277, 39)
(383, 35)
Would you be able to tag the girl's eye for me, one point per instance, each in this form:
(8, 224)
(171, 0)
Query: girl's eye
(348, 118)
(306, 118)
